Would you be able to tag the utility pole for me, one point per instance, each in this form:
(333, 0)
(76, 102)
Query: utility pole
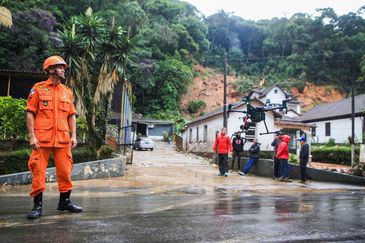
(353, 124)
(225, 92)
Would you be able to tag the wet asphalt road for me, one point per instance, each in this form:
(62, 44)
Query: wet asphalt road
(169, 197)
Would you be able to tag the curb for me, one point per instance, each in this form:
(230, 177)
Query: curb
(82, 171)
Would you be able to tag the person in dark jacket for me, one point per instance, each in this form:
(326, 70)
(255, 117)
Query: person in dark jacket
(254, 157)
(303, 159)
(237, 143)
(275, 144)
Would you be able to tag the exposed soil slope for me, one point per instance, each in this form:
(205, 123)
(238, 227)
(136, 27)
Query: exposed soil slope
(208, 86)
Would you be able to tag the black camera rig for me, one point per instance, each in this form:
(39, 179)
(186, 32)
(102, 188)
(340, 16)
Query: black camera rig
(255, 114)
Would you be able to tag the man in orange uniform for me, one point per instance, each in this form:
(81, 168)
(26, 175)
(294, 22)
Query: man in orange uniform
(223, 146)
(51, 124)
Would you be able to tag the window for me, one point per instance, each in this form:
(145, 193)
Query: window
(328, 129)
(190, 135)
(275, 91)
(205, 134)
(313, 131)
(197, 134)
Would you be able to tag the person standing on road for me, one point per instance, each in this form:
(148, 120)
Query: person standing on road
(254, 157)
(283, 155)
(303, 160)
(51, 123)
(275, 144)
(223, 146)
(238, 144)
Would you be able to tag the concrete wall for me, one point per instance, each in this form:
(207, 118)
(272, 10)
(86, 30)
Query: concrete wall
(83, 171)
(340, 130)
(264, 167)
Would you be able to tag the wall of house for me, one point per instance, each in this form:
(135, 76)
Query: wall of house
(275, 98)
(196, 141)
(340, 130)
(199, 144)
(295, 107)
(214, 124)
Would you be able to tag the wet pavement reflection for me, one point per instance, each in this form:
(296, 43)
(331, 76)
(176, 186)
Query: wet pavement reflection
(190, 217)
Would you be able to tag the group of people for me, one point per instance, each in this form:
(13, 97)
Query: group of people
(223, 146)
(281, 157)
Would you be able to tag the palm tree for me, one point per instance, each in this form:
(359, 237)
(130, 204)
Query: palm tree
(97, 58)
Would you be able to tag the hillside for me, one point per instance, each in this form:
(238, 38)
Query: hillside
(208, 86)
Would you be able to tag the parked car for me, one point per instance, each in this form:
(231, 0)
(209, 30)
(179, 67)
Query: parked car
(143, 143)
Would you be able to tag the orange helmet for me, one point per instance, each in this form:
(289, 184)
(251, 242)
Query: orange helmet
(54, 60)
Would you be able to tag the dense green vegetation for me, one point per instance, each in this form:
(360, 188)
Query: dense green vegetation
(17, 161)
(334, 154)
(155, 43)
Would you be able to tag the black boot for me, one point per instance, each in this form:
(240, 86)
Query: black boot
(37, 209)
(65, 203)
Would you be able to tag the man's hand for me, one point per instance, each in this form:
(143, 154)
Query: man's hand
(34, 144)
(73, 142)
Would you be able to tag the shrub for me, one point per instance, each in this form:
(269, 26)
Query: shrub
(105, 152)
(84, 154)
(334, 154)
(13, 162)
(13, 118)
(293, 159)
(17, 161)
(331, 142)
(195, 105)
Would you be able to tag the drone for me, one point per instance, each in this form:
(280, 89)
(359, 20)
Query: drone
(255, 114)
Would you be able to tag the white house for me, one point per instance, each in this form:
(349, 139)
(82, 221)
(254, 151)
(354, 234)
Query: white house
(333, 120)
(274, 96)
(200, 133)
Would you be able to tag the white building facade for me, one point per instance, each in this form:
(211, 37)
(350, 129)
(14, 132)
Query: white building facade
(333, 121)
(200, 134)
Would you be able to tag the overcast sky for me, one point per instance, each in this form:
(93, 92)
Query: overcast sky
(267, 9)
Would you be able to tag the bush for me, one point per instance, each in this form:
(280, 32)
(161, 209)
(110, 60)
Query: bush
(105, 152)
(17, 161)
(195, 105)
(84, 154)
(293, 159)
(13, 162)
(331, 142)
(13, 118)
(334, 154)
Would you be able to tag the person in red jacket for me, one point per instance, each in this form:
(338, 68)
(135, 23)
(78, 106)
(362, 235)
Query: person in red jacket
(283, 155)
(223, 146)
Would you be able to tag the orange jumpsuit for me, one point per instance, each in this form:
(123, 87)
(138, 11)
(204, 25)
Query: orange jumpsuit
(52, 105)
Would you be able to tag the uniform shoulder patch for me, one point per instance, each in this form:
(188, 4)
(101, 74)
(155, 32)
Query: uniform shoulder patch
(66, 87)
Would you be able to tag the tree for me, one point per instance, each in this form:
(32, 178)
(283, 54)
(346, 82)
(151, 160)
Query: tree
(97, 58)
(29, 42)
(172, 77)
